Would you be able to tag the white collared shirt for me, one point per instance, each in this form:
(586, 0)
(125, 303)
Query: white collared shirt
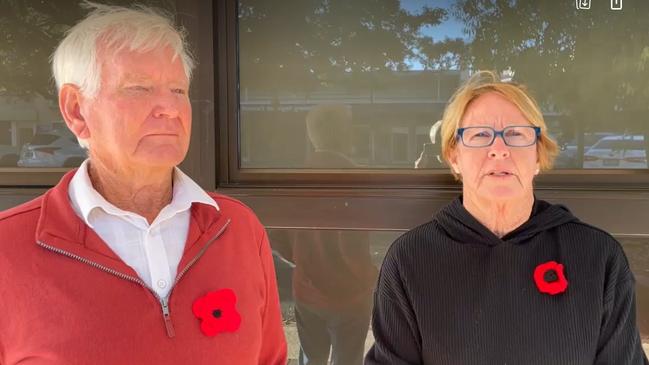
(154, 250)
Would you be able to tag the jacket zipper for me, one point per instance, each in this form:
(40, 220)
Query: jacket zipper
(164, 302)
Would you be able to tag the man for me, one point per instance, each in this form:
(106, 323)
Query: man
(127, 260)
(334, 276)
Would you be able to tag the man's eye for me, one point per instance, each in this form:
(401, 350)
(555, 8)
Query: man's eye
(179, 91)
(139, 88)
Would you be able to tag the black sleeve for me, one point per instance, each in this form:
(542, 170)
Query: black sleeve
(619, 339)
(394, 325)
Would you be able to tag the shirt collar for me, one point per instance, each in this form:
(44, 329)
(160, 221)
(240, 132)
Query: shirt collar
(84, 198)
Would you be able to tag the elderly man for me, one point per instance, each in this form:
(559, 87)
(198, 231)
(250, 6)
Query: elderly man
(127, 260)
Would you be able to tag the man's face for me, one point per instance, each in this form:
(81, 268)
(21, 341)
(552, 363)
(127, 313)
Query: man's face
(141, 116)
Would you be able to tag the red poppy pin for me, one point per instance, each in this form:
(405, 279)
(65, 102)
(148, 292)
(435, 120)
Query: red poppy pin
(549, 278)
(217, 312)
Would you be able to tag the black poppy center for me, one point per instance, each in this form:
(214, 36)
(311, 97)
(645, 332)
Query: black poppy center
(550, 276)
(216, 313)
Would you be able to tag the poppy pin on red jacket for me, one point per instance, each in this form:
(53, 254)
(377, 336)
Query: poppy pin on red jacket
(217, 312)
(550, 279)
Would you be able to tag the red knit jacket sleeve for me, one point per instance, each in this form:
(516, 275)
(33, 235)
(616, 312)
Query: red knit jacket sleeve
(273, 346)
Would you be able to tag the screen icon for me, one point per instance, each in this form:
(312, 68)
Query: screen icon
(585, 4)
(616, 4)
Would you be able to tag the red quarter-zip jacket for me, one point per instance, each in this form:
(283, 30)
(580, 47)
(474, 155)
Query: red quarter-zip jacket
(66, 298)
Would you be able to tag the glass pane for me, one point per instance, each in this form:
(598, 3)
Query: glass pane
(359, 84)
(637, 251)
(321, 274)
(328, 275)
(32, 131)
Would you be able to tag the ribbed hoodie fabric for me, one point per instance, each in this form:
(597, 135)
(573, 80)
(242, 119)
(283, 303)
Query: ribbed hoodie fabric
(452, 292)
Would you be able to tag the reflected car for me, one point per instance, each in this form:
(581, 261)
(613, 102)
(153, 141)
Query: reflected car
(56, 148)
(619, 151)
(568, 154)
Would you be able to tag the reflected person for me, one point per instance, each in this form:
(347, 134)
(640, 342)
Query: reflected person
(329, 130)
(127, 260)
(430, 157)
(334, 275)
(499, 276)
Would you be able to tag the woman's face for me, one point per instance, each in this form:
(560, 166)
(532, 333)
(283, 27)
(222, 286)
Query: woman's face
(496, 172)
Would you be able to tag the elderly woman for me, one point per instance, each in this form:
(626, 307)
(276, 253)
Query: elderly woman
(499, 277)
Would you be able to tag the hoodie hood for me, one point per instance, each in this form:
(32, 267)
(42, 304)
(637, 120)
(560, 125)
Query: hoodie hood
(461, 226)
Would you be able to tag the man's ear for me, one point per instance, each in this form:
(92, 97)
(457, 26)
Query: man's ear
(70, 100)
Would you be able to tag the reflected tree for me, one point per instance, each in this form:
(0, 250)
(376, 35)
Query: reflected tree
(305, 45)
(29, 33)
(592, 65)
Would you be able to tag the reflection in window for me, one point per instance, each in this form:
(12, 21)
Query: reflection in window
(395, 64)
(637, 251)
(326, 280)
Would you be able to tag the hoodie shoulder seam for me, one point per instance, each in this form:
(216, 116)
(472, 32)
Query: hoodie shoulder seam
(594, 228)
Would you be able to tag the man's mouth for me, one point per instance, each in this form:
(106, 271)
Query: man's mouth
(500, 173)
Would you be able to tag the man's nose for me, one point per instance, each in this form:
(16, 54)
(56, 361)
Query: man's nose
(167, 105)
(499, 149)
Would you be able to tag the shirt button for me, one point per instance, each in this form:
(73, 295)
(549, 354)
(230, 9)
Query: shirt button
(162, 284)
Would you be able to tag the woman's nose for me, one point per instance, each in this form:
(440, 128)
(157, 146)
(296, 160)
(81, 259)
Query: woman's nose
(499, 149)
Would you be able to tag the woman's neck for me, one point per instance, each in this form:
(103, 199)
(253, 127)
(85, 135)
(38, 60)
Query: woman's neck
(499, 216)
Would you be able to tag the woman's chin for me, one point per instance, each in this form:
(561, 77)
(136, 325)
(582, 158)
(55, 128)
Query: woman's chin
(503, 193)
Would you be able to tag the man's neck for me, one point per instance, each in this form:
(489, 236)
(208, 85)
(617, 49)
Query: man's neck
(499, 216)
(142, 191)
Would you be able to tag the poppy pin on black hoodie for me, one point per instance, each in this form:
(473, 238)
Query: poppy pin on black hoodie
(451, 292)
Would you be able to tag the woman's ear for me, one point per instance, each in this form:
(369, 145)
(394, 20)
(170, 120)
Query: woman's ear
(452, 159)
(70, 101)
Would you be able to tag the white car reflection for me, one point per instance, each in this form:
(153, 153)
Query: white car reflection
(619, 151)
(56, 148)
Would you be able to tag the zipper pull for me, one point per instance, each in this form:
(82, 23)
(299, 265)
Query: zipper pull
(167, 318)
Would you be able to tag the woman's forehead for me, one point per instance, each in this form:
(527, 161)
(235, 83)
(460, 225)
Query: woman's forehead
(492, 110)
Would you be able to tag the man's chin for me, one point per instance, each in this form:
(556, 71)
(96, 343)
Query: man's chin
(159, 160)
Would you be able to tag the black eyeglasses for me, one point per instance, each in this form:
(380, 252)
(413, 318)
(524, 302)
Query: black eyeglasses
(513, 136)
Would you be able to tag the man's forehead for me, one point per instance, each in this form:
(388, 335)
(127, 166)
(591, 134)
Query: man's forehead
(136, 66)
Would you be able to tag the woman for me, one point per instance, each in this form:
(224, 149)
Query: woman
(499, 277)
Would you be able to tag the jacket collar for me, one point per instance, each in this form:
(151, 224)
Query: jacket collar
(62, 230)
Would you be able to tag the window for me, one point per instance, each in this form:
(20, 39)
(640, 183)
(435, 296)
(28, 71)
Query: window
(392, 71)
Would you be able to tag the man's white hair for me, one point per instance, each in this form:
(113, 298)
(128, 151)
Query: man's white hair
(138, 28)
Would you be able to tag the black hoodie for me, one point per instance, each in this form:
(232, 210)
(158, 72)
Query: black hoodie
(452, 292)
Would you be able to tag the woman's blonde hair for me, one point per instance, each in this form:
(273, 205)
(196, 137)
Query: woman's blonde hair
(484, 82)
